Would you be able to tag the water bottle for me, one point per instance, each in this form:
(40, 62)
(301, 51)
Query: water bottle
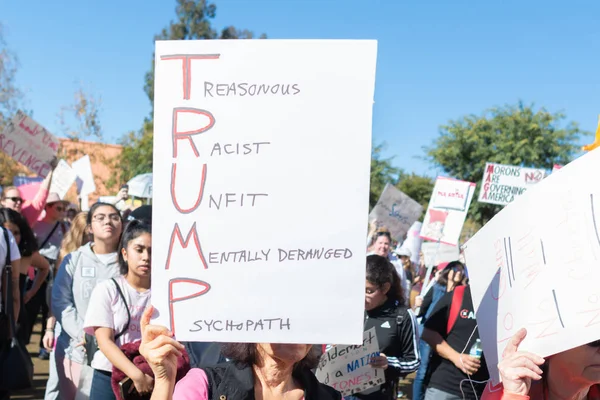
(476, 349)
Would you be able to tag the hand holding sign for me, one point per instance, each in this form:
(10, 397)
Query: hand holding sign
(518, 368)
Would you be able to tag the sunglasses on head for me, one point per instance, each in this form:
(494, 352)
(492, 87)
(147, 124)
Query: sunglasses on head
(15, 199)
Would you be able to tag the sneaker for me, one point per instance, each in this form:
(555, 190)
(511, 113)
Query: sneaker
(44, 355)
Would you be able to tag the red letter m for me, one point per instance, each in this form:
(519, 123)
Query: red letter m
(193, 233)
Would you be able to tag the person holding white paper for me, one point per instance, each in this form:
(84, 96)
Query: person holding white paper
(571, 375)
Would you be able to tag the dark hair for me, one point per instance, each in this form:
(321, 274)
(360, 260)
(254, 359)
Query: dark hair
(28, 243)
(97, 206)
(245, 354)
(133, 230)
(381, 271)
(443, 280)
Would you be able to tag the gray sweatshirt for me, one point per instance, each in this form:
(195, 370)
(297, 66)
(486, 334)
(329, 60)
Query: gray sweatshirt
(77, 276)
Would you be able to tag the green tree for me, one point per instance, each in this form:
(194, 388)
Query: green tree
(382, 172)
(513, 134)
(416, 187)
(136, 157)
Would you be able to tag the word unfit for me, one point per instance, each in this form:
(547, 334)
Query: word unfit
(228, 325)
(239, 199)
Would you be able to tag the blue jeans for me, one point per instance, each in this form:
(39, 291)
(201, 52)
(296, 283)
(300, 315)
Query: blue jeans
(418, 383)
(101, 389)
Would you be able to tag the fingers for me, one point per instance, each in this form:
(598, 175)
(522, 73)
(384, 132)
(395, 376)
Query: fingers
(515, 374)
(146, 317)
(515, 341)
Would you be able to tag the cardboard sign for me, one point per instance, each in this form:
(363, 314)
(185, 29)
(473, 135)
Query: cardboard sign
(248, 135)
(502, 184)
(396, 211)
(347, 369)
(447, 210)
(85, 177)
(535, 266)
(62, 179)
(437, 253)
(29, 144)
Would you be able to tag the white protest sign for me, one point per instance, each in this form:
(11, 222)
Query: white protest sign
(347, 369)
(413, 241)
(85, 181)
(447, 210)
(556, 167)
(535, 266)
(29, 143)
(437, 253)
(502, 184)
(396, 211)
(247, 137)
(62, 179)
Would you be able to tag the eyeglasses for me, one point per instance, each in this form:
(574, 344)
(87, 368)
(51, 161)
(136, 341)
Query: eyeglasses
(101, 217)
(60, 209)
(15, 199)
(386, 234)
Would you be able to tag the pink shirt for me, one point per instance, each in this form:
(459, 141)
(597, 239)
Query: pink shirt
(193, 386)
(33, 209)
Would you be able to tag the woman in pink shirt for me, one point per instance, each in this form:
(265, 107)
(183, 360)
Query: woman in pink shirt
(571, 375)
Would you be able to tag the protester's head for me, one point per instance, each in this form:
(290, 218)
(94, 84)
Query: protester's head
(301, 356)
(382, 243)
(382, 282)
(135, 251)
(452, 274)
(56, 208)
(18, 226)
(105, 223)
(11, 198)
(77, 235)
(404, 254)
(142, 213)
(71, 213)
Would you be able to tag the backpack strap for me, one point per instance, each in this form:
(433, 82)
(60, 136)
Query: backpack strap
(122, 296)
(457, 300)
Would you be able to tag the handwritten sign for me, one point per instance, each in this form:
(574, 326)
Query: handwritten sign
(556, 167)
(437, 253)
(502, 184)
(85, 177)
(396, 211)
(29, 143)
(62, 178)
(535, 266)
(447, 210)
(247, 137)
(347, 369)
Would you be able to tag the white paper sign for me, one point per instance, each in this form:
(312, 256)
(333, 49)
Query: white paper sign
(347, 369)
(29, 143)
(502, 184)
(85, 181)
(248, 135)
(413, 241)
(62, 179)
(447, 210)
(396, 211)
(535, 266)
(437, 253)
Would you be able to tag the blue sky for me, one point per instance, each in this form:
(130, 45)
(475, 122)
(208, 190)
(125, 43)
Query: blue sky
(438, 59)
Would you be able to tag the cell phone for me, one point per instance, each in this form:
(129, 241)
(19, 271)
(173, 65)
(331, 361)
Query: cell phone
(126, 388)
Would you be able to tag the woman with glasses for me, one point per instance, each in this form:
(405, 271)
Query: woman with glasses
(79, 273)
(571, 375)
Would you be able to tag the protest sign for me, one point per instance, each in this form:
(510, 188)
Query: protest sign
(62, 179)
(556, 167)
(85, 177)
(29, 144)
(396, 211)
(347, 369)
(437, 253)
(413, 241)
(26, 180)
(247, 137)
(535, 266)
(447, 210)
(502, 184)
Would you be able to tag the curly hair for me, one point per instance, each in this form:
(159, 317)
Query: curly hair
(381, 271)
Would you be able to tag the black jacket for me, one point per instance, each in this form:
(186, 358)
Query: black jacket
(398, 337)
(234, 382)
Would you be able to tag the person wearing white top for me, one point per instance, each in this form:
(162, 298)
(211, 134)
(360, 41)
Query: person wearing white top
(114, 312)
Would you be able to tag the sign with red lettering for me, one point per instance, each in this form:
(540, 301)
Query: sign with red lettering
(448, 207)
(29, 143)
(502, 184)
(261, 182)
(347, 368)
(535, 266)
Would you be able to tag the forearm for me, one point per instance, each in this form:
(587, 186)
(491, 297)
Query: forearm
(110, 349)
(51, 323)
(40, 277)
(46, 182)
(163, 390)
(440, 346)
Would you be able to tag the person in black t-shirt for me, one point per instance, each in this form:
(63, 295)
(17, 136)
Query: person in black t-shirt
(453, 373)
